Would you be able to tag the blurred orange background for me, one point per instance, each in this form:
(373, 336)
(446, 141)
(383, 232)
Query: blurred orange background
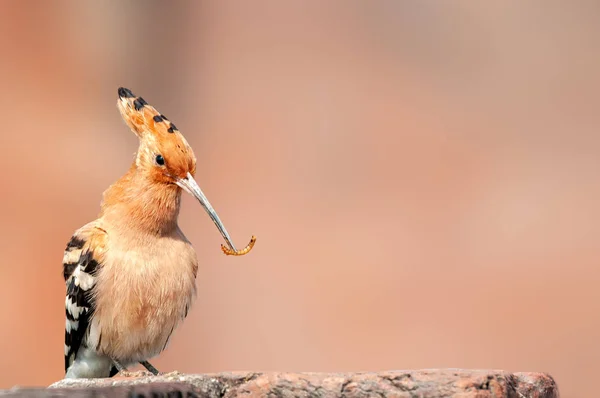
(423, 178)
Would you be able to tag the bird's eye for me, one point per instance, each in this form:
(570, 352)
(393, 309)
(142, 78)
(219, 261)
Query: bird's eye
(160, 160)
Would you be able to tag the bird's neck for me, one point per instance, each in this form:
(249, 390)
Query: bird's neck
(135, 203)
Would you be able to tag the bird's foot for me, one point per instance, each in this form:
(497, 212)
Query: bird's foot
(134, 374)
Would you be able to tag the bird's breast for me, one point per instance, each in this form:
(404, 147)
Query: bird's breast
(143, 291)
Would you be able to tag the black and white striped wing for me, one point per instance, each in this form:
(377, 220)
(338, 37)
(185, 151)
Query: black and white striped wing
(79, 271)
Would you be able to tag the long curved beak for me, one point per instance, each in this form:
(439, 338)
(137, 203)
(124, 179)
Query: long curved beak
(189, 185)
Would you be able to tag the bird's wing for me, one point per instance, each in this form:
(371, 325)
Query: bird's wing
(81, 261)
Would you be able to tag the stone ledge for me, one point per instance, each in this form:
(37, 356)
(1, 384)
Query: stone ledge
(413, 383)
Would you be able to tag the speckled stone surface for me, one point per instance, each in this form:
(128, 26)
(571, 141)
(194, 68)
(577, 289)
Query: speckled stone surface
(410, 384)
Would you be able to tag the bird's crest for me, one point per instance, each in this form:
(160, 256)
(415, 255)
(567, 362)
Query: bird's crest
(142, 117)
(158, 136)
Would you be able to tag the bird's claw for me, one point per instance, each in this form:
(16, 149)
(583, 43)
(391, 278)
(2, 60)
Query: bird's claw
(173, 373)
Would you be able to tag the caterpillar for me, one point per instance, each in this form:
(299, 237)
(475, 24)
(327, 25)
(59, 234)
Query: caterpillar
(245, 250)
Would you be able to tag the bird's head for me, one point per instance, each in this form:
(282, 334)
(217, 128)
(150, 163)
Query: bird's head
(164, 156)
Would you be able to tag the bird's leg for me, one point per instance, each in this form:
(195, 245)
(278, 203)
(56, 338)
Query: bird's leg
(119, 367)
(150, 368)
(123, 372)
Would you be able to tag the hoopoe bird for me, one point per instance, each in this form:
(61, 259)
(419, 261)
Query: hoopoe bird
(130, 274)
